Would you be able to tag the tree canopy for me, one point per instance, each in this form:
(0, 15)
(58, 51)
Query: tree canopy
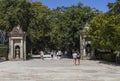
(66, 23)
(105, 28)
(56, 29)
(39, 28)
(14, 12)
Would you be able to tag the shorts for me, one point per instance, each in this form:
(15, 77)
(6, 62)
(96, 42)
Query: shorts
(74, 57)
(78, 57)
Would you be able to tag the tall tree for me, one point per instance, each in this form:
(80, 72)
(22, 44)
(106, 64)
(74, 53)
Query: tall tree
(114, 7)
(39, 25)
(67, 23)
(105, 28)
(13, 13)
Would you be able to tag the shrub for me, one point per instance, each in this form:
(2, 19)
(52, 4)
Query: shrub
(4, 51)
(108, 57)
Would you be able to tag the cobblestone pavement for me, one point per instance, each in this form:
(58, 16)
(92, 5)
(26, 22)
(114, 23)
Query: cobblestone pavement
(58, 70)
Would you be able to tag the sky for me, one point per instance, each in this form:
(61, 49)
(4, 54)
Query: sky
(99, 4)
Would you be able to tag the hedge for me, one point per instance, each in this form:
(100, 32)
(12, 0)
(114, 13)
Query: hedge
(4, 51)
(109, 57)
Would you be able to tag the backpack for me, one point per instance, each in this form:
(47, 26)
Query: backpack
(78, 56)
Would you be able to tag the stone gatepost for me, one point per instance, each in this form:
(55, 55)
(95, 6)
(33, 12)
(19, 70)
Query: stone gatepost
(17, 44)
(85, 43)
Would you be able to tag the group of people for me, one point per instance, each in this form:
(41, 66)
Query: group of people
(76, 57)
(57, 54)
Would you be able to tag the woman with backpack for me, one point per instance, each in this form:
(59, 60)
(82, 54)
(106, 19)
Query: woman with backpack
(78, 58)
(74, 57)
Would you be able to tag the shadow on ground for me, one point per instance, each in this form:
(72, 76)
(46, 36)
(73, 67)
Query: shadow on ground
(108, 63)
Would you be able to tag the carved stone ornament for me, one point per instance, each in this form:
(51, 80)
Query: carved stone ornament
(16, 32)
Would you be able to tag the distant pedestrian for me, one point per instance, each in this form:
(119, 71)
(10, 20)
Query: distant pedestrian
(78, 58)
(65, 53)
(74, 57)
(52, 53)
(41, 55)
(59, 54)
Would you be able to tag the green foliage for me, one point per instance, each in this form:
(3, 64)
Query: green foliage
(38, 31)
(14, 12)
(4, 51)
(105, 29)
(66, 23)
(102, 31)
(114, 8)
(109, 57)
(57, 29)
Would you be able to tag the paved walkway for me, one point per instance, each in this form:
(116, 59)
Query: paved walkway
(58, 70)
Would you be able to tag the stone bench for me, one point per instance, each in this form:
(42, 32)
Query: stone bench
(47, 56)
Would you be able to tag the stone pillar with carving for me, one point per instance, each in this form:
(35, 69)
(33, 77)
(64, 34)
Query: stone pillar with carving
(21, 54)
(25, 47)
(12, 49)
(9, 54)
(17, 38)
(84, 44)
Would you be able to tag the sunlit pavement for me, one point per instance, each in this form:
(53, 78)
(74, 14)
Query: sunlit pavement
(58, 70)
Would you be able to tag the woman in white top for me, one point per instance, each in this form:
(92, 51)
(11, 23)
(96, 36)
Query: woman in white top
(74, 57)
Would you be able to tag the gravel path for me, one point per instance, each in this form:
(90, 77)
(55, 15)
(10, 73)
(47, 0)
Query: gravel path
(58, 70)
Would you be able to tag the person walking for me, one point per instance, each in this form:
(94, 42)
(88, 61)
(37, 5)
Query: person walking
(78, 58)
(52, 53)
(59, 54)
(74, 57)
(41, 55)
